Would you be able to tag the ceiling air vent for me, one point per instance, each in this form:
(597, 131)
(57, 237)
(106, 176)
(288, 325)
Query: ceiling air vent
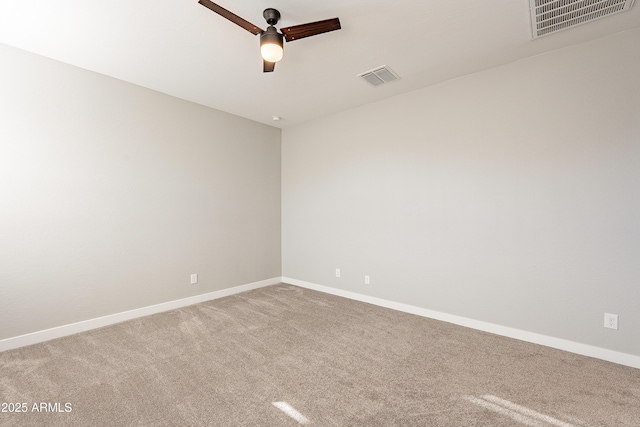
(379, 76)
(550, 16)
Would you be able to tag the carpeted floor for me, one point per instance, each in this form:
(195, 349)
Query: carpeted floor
(286, 356)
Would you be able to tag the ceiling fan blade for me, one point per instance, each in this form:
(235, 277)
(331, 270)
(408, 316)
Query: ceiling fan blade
(268, 67)
(231, 17)
(311, 29)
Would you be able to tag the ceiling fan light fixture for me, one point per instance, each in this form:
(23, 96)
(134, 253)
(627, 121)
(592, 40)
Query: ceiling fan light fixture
(271, 40)
(271, 45)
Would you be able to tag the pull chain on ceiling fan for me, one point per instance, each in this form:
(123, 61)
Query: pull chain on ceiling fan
(271, 41)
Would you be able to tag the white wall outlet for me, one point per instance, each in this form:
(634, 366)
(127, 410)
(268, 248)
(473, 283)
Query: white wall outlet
(194, 278)
(611, 321)
(366, 280)
(337, 272)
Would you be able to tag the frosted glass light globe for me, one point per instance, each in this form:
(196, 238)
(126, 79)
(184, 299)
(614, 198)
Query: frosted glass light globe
(271, 52)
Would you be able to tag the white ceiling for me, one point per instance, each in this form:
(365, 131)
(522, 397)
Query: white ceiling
(183, 49)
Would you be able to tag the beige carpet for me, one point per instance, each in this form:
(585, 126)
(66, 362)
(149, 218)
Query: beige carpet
(328, 361)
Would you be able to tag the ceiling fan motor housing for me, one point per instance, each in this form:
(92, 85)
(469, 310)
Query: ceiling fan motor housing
(271, 35)
(271, 15)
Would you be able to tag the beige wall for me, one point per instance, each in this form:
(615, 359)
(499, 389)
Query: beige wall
(510, 196)
(111, 195)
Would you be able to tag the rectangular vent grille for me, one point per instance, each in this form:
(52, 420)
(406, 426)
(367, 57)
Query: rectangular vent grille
(550, 16)
(379, 76)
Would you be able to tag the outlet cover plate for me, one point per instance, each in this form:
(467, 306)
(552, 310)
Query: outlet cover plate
(611, 321)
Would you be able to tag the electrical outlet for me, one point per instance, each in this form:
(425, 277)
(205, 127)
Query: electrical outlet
(194, 278)
(337, 272)
(366, 280)
(611, 321)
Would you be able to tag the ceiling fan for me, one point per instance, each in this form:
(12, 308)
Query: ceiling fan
(271, 44)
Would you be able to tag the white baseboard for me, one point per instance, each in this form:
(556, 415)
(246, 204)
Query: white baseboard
(99, 322)
(557, 343)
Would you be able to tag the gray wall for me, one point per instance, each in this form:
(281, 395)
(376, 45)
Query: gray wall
(510, 196)
(111, 195)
